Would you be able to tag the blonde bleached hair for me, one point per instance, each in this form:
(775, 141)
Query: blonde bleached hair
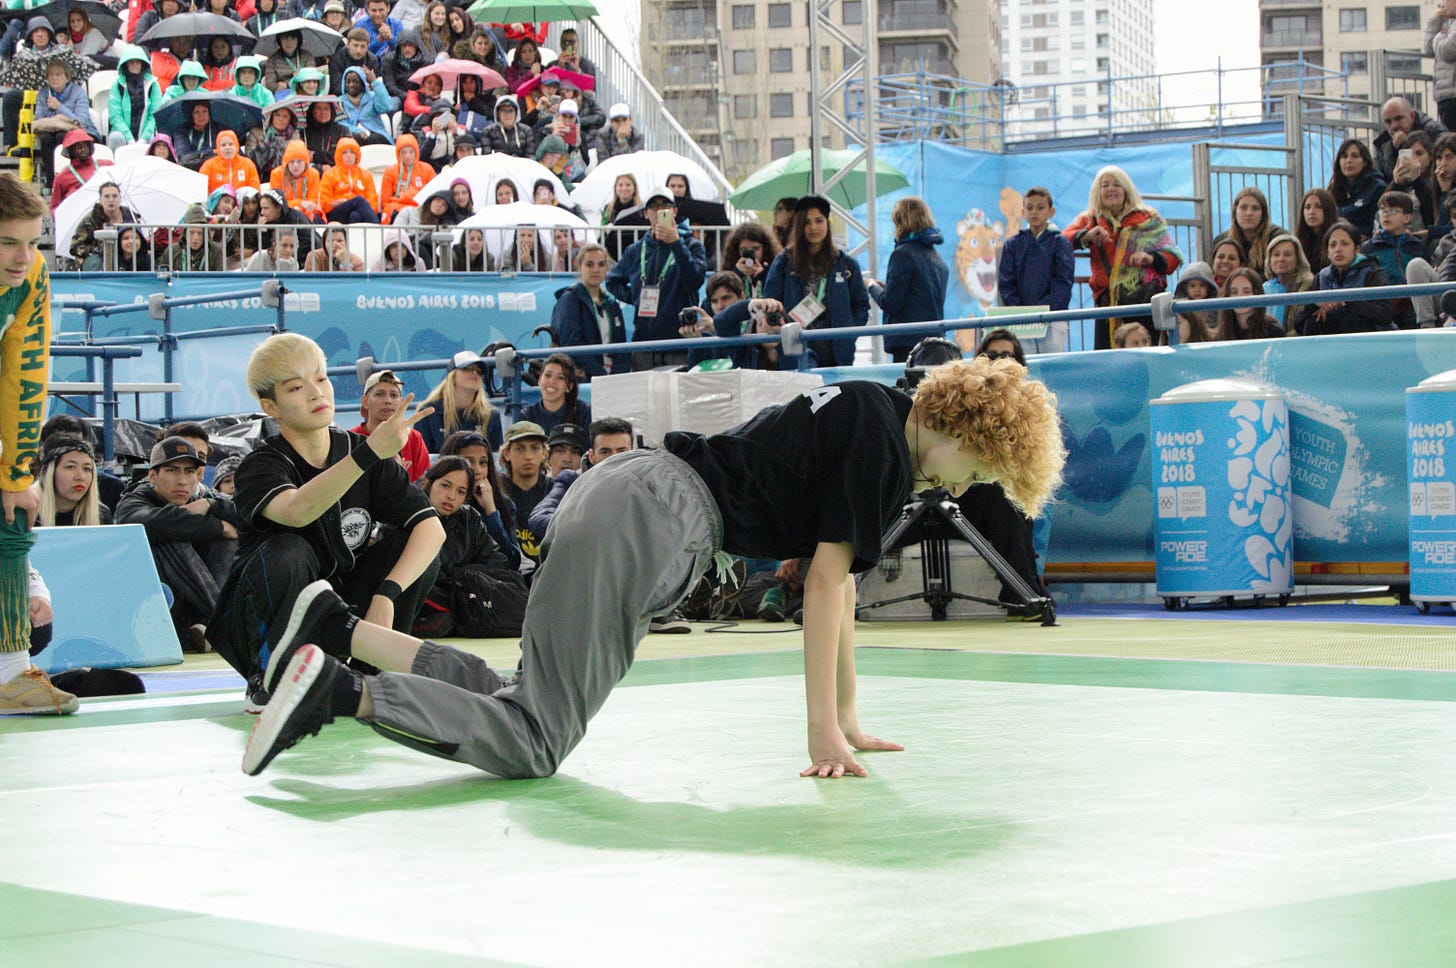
(87, 510)
(477, 408)
(1094, 197)
(280, 357)
(1003, 417)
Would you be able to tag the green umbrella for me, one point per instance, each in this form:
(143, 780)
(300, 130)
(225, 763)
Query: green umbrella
(517, 11)
(789, 177)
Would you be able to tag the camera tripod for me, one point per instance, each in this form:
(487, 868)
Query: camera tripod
(938, 506)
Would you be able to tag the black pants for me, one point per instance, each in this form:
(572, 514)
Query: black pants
(263, 586)
(10, 107)
(1446, 108)
(194, 572)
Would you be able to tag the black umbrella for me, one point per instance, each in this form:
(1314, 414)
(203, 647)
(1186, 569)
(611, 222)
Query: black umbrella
(202, 26)
(57, 11)
(235, 113)
(26, 69)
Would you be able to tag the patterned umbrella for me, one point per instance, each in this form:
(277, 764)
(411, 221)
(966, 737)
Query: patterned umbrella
(26, 69)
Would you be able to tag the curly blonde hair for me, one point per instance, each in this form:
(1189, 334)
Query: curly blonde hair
(1001, 415)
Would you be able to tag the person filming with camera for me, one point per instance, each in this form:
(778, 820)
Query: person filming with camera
(728, 314)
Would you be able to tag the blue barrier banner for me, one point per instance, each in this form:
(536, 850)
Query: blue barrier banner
(127, 626)
(1431, 472)
(394, 317)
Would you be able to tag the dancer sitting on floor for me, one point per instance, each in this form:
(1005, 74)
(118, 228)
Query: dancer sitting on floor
(822, 475)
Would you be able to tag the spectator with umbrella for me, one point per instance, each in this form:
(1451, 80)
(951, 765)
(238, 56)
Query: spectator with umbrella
(527, 65)
(400, 63)
(294, 45)
(134, 99)
(223, 8)
(83, 37)
(590, 116)
(418, 102)
(26, 70)
(107, 212)
(146, 14)
(77, 148)
(197, 141)
(363, 103)
(219, 61)
(61, 105)
(167, 64)
(472, 107)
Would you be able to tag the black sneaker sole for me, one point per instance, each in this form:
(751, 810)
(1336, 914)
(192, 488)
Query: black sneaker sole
(303, 618)
(270, 735)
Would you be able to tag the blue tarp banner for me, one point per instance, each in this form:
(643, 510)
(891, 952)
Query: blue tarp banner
(127, 626)
(395, 317)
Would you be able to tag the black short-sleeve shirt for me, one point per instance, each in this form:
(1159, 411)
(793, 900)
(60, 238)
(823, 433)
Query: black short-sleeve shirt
(383, 495)
(830, 465)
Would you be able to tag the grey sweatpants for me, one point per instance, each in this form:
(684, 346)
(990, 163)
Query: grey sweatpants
(629, 541)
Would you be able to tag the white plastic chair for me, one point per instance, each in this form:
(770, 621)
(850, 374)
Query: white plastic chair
(129, 153)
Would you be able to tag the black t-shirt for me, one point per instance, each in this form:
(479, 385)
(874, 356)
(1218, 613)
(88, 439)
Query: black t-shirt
(525, 500)
(383, 495)
(830, 465)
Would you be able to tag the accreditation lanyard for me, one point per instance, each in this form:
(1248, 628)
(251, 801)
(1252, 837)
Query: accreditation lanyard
(652, 295)
(811, 307)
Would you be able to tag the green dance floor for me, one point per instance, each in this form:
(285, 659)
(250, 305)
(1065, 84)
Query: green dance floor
(1051, 809)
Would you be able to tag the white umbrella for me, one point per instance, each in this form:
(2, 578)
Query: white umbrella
(501, 221)
(651, 169)
(484, 172)
(156, 189)
(317, 39)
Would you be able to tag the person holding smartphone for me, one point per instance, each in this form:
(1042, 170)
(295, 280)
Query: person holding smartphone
(659, 276)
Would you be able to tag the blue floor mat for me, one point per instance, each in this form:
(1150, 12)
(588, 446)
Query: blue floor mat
(196, 680)
(1332, 612)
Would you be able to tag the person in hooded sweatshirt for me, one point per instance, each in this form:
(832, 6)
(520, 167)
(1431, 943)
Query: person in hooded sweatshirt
(404, 179)
(406, 58)
(134, 99)
(346, 191)
(1036, 268)
(298, 181)
(322, 133)
(915, 281)
(399, 255)
(363, 103)
(190, 77)
(248, 73)
(274, 210)
(507, 135)
(228, 167)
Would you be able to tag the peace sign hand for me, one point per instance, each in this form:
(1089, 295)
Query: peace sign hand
(390, 437)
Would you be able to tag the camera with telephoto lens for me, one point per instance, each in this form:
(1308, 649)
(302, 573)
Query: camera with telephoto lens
(774, 318)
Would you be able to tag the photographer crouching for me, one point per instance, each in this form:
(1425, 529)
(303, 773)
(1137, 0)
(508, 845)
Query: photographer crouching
(726, 313)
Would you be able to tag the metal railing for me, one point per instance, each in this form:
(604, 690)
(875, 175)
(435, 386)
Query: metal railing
(110, 404)
(618, 79)
(437, 249)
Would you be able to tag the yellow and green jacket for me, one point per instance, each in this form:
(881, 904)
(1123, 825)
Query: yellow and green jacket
(25, 343)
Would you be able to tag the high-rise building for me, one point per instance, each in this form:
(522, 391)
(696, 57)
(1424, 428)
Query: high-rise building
(1341, 38)
(1073, 61)
(735, 73)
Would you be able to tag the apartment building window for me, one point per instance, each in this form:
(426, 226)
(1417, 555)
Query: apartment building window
(1026, 44)
(745, 106)
(743, 16)
(1101, 20)
(851, 12)
(781, 105)
(1079, 17)
(1079, 42)
(1352, 21)
(780, 15)
(745, 62)
(781, 147)
(1101, 41)
(781, 60)
(1402, 18)
(1404, 64)
(824, 58)
(746, 151)
(1101, 63)
(1354, 62)
(1079, 65)
(695, 106)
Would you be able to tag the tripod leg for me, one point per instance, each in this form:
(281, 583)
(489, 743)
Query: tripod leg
(952, 514)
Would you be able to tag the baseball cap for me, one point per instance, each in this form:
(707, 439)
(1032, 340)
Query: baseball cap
(659, 191)
(568, 106)
(381, 376)
(570, 434)
(466, 358)
(521, 430)
(619, 110)
(169, 450)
